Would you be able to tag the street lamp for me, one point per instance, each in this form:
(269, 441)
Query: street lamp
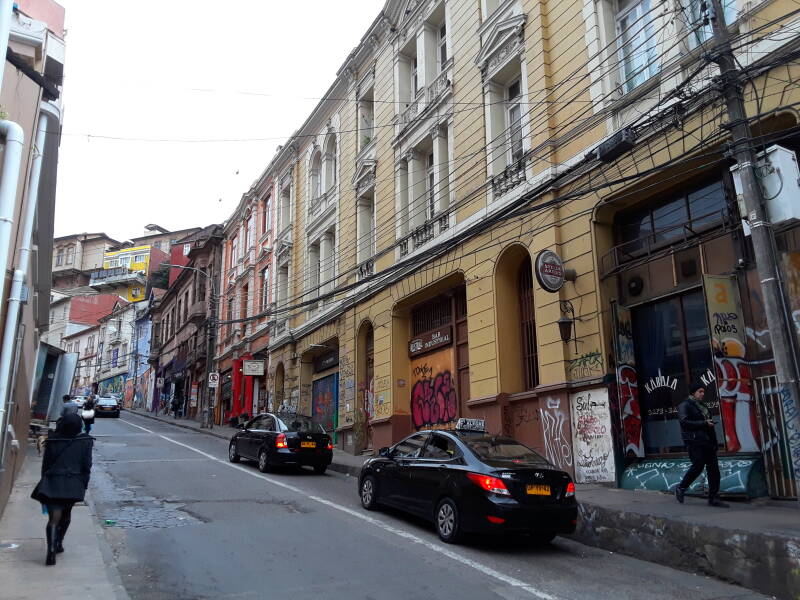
(211, 325)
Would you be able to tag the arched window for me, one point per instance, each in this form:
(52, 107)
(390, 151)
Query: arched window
(329, 161)
(315, 175)
(530, 363)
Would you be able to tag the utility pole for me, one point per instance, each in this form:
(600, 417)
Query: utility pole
(761, 233)
(211, 330)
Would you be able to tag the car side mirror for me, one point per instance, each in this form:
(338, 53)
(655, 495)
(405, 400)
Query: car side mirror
(386, 452)
(241, 426)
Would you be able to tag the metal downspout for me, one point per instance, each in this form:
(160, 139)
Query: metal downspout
(15, 298)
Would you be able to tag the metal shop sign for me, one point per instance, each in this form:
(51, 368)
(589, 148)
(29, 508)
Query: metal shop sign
(430, 341)
(549, 270)
(253, 367)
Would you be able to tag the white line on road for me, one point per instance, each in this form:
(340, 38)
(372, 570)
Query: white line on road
(439, 549)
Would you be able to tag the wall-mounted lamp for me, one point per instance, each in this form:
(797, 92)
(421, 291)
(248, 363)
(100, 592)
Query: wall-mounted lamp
(565, 322)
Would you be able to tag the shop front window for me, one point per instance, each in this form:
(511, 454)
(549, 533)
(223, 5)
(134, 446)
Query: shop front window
(671, 342)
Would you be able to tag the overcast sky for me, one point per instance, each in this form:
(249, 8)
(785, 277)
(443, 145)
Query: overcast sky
(187, 70)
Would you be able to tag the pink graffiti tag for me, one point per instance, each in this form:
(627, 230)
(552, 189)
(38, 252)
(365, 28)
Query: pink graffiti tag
(629, 406)
(433, 401)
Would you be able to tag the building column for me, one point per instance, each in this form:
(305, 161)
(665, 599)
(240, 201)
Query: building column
(326, 261)
(313, 271)
(416, 191)
(401, 204)
(441, 169)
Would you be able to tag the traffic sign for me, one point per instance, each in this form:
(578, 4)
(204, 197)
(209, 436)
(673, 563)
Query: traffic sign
(213, 379)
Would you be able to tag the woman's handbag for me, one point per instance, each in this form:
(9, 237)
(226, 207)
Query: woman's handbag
(87, 414)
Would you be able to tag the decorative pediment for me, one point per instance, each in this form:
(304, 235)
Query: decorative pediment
(364, 177)
(504, 40)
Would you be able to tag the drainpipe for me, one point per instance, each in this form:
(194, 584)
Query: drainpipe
(9, 175)
(15, 298)
(6, 16)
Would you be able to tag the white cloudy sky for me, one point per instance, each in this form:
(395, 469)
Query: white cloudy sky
(187, 70)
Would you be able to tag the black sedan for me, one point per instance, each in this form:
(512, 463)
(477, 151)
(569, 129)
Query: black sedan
(291, 440)
(468, 481)
(106, 406)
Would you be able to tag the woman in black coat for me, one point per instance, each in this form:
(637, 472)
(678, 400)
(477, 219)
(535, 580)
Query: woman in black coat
(66, 467)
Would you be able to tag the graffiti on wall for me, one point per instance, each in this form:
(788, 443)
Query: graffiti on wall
(383, 395)
(627, 383)
(324, 400)
(557, 438)
(667, 473)
(733, 375)
(113, 385)
(591, 436)
(433, 392)
(586, 365)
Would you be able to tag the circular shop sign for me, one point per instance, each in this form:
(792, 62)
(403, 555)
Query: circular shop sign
(549, 270)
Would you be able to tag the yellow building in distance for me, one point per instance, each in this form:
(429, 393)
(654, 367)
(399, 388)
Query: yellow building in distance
(128, 269)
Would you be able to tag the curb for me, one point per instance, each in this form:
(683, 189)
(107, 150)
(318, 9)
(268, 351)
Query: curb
(334, 466)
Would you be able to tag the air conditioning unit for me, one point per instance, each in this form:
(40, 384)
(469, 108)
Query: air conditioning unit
(779, 175)
(615, 146)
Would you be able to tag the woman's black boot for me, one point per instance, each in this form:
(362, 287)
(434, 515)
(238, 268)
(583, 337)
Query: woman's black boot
(61, 532)
(52, 532)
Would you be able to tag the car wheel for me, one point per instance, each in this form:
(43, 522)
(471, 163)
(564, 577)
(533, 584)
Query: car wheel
(320, 469)
(540, 538)
(233, 456)
(448, 523)
(369, 493)
(263, 461)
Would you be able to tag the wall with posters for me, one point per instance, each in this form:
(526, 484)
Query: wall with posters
(324, 401)
(592, 441)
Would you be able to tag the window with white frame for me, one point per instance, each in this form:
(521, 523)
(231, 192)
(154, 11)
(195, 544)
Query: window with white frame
(266, 219)
(234, 250)
(251, 231)
(125, 261)
(113, 263)
(70, 255)
(414, 78)
(315, 175)
(186, 249)
(697, 15)
(637, 43)
(140, 258)
(264, 288)
(366, 118)
(442, 46)
(514, 122)
(60, 257)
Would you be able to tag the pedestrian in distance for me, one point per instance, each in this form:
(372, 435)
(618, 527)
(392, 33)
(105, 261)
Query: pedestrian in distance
(66, 468)
(700, 438)
(176, 406)
(87, 414)
(70, 406)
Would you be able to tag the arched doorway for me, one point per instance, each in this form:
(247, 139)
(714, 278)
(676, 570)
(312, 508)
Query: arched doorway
(278, 397)
(365, 377)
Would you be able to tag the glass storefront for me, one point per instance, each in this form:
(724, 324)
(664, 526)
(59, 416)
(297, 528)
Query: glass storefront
(671, 342)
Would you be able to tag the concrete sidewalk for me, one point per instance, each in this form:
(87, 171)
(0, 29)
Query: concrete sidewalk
(82, 572)
(754, 544)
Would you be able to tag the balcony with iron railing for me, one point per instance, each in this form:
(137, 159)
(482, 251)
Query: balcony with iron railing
(428, 97)
(509, 178)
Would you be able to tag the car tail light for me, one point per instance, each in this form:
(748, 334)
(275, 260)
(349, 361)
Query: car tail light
(280, 441)
(570, 490)
(330, 445)
(489, 483)
(495, 520)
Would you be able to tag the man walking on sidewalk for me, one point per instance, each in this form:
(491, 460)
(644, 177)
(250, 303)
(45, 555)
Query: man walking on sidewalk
(697, 430)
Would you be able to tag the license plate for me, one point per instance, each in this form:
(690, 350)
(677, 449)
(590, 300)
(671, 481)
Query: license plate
(537, 490)
(308, 444)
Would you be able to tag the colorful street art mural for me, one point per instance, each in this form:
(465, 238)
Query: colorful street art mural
(113, 385)
(433, 393)
(556, 432)
(627, 385)
(591, 436)
(732, 369)
(325, 400)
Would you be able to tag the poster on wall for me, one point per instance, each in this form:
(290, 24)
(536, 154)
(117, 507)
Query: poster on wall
(627, 383)
(325, 401)
(591, 436)
(193, 396)
(733, 377)
(433, 392)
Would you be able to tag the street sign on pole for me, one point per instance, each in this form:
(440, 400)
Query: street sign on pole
(213, 380)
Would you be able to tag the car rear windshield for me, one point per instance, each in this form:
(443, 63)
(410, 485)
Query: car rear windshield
(107, 402)
(504, 450)
(298, 423)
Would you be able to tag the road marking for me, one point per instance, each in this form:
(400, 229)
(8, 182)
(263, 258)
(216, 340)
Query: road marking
(438, 548)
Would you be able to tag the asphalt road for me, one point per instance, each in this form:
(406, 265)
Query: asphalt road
(183, 524)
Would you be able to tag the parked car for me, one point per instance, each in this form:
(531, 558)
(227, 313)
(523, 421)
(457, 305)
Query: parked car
(288, 440)
(106, 406)
(80, 400)
(467, 480)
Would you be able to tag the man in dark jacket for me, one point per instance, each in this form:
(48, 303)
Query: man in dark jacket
(697, 430)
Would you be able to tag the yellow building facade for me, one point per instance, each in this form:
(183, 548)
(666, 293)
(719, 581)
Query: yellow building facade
(137, 261)
(445, 218)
